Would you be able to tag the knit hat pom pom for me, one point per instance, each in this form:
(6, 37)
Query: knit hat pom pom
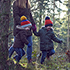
(47, 18)
(23, 18)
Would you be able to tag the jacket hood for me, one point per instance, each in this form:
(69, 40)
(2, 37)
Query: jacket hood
(46, 29)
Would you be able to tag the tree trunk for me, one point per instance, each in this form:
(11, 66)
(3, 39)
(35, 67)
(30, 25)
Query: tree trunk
(4, 26)
(53, 11)
(68, 24)
(40, 17)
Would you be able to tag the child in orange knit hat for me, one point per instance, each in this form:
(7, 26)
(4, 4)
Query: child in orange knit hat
(47, 37)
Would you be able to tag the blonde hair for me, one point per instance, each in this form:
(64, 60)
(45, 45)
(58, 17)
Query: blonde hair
(22, 3)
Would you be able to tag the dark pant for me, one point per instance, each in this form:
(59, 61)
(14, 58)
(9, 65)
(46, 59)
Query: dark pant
(20, 52)
(46, 53)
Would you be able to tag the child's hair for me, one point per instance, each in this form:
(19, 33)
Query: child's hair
(22, 3)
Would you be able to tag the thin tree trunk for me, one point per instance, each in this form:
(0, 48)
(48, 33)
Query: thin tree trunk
(40, 18)
(53, 11)
(68, 24)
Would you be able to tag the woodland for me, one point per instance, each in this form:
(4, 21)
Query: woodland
(59, 13)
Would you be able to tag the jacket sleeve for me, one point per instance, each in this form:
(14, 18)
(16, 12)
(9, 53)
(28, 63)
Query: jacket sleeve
(23, 37)
(37, 33)
(31, 18)
(54, 38)
(16, 14)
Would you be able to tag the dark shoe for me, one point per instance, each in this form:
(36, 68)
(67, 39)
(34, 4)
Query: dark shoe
(14, 58)
(41, 62)
(48, 58)
(30, 61)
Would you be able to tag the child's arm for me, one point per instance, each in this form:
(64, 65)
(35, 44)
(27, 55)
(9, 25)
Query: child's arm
(36, 33)
(34, 28)
(54, 38)
(23, 37)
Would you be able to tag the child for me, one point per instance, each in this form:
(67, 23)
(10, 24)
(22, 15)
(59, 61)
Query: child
(46, 35)
(21, 39)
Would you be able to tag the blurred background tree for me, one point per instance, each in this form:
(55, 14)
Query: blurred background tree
(4, 32)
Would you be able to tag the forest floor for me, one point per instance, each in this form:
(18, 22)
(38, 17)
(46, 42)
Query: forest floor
(58, 61)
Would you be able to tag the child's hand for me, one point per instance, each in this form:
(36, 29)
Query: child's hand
(62, 41)
(34, 27)
(29, 45)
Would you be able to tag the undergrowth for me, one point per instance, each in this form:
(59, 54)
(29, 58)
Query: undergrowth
(57, 62)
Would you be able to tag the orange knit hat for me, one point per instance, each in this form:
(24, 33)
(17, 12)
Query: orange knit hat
(48, 22)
